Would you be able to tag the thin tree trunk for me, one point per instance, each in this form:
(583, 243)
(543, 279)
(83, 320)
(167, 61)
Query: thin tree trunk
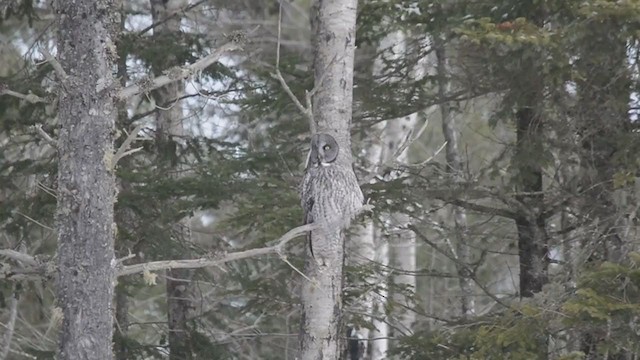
(364, 248)
(532, 237)
(169, 130)
(455, 168)
(380, 332)
(402, 240)
(376, 250)
(333, 28)
(86, 183)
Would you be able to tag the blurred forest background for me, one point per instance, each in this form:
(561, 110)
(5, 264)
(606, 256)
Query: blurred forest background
(497, 140)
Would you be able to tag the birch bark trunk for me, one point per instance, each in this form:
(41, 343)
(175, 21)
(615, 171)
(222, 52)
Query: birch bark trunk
(86, 183)
(368, 247)
(333, 28)
(398, 247)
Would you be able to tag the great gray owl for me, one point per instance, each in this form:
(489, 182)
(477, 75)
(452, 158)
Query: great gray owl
(330, 193)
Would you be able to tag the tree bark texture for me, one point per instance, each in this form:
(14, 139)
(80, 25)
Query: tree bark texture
(169, 129)
(333, 28)
(86, 183)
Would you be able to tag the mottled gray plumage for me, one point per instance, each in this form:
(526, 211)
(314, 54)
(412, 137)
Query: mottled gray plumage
(330, 193)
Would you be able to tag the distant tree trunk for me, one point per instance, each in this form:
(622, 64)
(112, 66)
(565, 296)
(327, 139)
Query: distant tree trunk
(532, 236)
(365, 246)
(169, 130)
(333, 28)
(402, 240)
(380, 332)
(86, 183)
(455, 168)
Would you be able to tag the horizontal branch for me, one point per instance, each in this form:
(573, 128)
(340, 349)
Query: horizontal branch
(449, 197)
(31, 98)
(38, 269)
(207, 262)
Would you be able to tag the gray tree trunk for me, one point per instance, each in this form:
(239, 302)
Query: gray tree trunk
(86, 183)
(367, 247)
(169, 128)
(333, 27)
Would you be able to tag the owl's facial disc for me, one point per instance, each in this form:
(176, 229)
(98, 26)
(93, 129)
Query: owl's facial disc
(324, 150)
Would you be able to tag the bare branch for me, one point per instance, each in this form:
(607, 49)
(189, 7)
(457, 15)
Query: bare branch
(450, 197)
(39, 269)
(182, 10)
(206, 262)
(278, 75)
(47, 138)
(34, 99)
(122, 150)
(469, 272)
(35, 221)
(62, 75)
(178, 73)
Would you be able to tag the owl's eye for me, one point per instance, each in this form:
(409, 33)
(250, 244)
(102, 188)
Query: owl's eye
(326, 147)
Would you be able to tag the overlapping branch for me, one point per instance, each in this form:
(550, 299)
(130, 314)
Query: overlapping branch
(33, 268)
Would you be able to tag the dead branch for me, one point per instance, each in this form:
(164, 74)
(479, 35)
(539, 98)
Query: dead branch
(306, 111)
(206, 262)
(39, 269)
(31, 98)
(178, 73)
(123, 150)
(62, 75)
(46, 137)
